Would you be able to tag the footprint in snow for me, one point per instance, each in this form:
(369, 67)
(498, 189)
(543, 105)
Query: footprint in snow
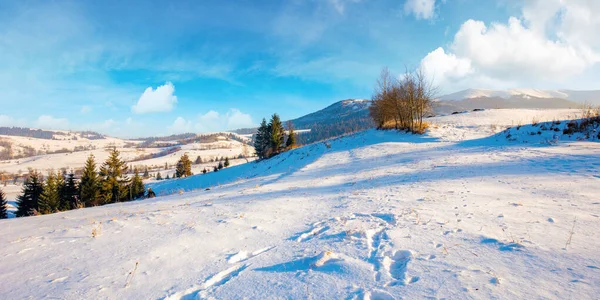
(397, 268)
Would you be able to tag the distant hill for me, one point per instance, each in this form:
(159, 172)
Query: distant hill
(50, 134)
(514, 98)
(339, 118)
(523, 95)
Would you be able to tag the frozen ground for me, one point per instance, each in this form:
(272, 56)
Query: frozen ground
(456, 214)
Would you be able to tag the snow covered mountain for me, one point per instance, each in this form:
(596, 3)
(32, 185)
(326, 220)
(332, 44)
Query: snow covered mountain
(462, 212)
(339, 118)
(582, 97)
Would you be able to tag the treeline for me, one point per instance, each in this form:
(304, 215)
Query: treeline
(28, 132)
(402, 103)
(3, 205)
(272, 139)
(45, 134)
(319, 132)
(62, 191)
(188, 138)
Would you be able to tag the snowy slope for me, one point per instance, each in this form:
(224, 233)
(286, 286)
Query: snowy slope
(374, 215)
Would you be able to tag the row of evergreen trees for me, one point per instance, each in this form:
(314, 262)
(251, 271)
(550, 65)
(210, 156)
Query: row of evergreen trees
(270, 139)
(3, 204)
(62, 191)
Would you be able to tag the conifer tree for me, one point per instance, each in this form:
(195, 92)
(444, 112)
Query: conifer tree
(277, 136)
(226, 163)
(204, 171)
(198, 160)
(261, 139)
(70, 192)
(168, 177)
(166, 166)
(136, 187)
(220, 166)
(50, 199)
(114, 187)
(158, 176)
(89, 187)
(3, 204)
(184, 167)
(146, 174)
(27, 203)
(291, 140)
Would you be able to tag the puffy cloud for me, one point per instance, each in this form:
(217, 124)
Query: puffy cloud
(446, 65)
(237, 119)
(6, 120)
(233, 119)
(161, 99)
(213, 121)
(422, 9)
(50, 122)
(180, 125)
(551, 45)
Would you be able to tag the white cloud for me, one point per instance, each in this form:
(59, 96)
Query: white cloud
(551, 45)
(180, 125)
(446, 66)
(212, 121)
(160, 99)
(6, 120)
(50, 122)
(233, 119)
(237, 119)
(422, 9)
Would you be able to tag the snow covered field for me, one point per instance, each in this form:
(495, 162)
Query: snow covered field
(458, 213)
(44, 163)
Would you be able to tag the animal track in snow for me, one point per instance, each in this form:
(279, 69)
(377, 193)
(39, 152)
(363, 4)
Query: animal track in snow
(397, 267)
(311, 233)
(244, 255)
(216, 280)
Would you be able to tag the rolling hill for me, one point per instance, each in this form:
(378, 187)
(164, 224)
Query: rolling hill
(460, 212)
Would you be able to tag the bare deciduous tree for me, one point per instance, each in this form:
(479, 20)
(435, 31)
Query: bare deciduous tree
(402, 103)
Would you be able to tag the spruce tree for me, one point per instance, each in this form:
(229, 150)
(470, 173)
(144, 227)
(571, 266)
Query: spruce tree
(158, 176)
(277, 136)
(198, 160)
(226, 163)
(291, 140)
(136, 187)
(70, 193)
(27, 203)
(166, 166)
(114, 187)
(3, 206)
(168, 177)
(261, 139)
(220, 166)
(184, 167)
(146, 174)
(89, 187)
(204, 171)
(50, 199)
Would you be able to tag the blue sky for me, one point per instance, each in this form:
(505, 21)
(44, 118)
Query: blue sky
(142, 68)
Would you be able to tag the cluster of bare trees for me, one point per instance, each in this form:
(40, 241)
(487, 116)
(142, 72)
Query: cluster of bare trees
(402, 103)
